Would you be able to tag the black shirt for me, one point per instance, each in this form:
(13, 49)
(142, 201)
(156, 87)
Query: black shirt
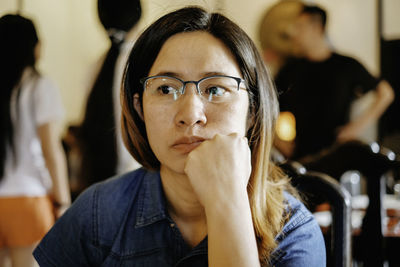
(319, 94)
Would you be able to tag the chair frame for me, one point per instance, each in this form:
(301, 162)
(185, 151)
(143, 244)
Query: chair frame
(317, 183)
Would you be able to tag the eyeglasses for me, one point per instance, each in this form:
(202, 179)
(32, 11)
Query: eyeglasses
(216, 89)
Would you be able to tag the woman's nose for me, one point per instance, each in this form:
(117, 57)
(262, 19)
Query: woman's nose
(191, 108)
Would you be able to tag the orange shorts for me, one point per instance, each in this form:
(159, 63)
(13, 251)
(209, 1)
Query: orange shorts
(24, 220)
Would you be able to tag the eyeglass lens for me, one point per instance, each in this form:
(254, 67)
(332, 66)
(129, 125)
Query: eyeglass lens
(214, 89)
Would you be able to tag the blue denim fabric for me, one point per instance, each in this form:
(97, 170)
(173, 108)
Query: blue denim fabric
(124, 222)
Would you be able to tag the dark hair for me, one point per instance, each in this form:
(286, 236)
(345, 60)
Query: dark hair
(121, 14)
(317, 14)
(18, 40)
(266, 183)
(97, 132)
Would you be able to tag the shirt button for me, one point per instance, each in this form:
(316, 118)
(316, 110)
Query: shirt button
(172, 225)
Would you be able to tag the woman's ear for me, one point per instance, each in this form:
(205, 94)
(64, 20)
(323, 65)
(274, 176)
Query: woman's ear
(138, 106)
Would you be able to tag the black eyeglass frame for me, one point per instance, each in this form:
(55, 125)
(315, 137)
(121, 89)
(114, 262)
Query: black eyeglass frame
(144, 80)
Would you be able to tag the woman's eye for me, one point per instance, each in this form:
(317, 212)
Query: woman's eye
(166, 90)
(215, 91)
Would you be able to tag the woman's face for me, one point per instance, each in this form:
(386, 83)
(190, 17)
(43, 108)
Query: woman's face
(174, 128)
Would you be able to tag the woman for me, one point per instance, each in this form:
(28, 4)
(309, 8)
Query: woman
(198, 114)
(32, 164)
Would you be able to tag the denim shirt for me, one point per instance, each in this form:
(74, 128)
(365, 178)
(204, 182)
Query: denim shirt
(124, 222)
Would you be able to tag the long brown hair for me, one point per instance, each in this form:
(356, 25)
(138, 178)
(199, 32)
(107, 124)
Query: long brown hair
(266, 183)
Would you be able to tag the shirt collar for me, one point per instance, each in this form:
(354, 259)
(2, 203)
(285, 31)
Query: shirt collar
(151, 201)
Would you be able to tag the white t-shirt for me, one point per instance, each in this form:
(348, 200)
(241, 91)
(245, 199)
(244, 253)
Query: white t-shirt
(38, 102)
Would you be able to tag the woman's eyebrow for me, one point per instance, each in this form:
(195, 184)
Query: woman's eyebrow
(167, 73)
(213, 73)
(177, 75)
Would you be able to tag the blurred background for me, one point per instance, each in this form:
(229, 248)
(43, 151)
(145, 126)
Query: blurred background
(74, 44)
(73, 39)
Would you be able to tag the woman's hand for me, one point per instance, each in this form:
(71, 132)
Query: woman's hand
(219, 169)
(60, 209)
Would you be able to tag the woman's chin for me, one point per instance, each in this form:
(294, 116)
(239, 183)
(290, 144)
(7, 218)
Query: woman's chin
(176, 168)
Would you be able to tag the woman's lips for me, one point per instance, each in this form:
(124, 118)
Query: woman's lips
(186, 148)
(187, 144)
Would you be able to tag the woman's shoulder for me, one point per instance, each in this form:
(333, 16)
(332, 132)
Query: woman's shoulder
(44, 81)
(297, 214)
(110, 197)
(32, 78)
(45, 88)
(118, 182)
(300, 241)
(94, 219)
(46, 98)
(116, 189)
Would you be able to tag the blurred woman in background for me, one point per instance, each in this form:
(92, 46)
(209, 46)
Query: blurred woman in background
(33, 176)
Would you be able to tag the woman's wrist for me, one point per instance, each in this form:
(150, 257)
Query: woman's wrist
(219, 206)
(59, 204)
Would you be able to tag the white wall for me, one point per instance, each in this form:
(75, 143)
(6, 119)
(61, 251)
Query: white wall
(352, 28)
(73, 39)
(391, 22)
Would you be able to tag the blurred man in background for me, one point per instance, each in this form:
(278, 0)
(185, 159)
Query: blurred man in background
(318, 87)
